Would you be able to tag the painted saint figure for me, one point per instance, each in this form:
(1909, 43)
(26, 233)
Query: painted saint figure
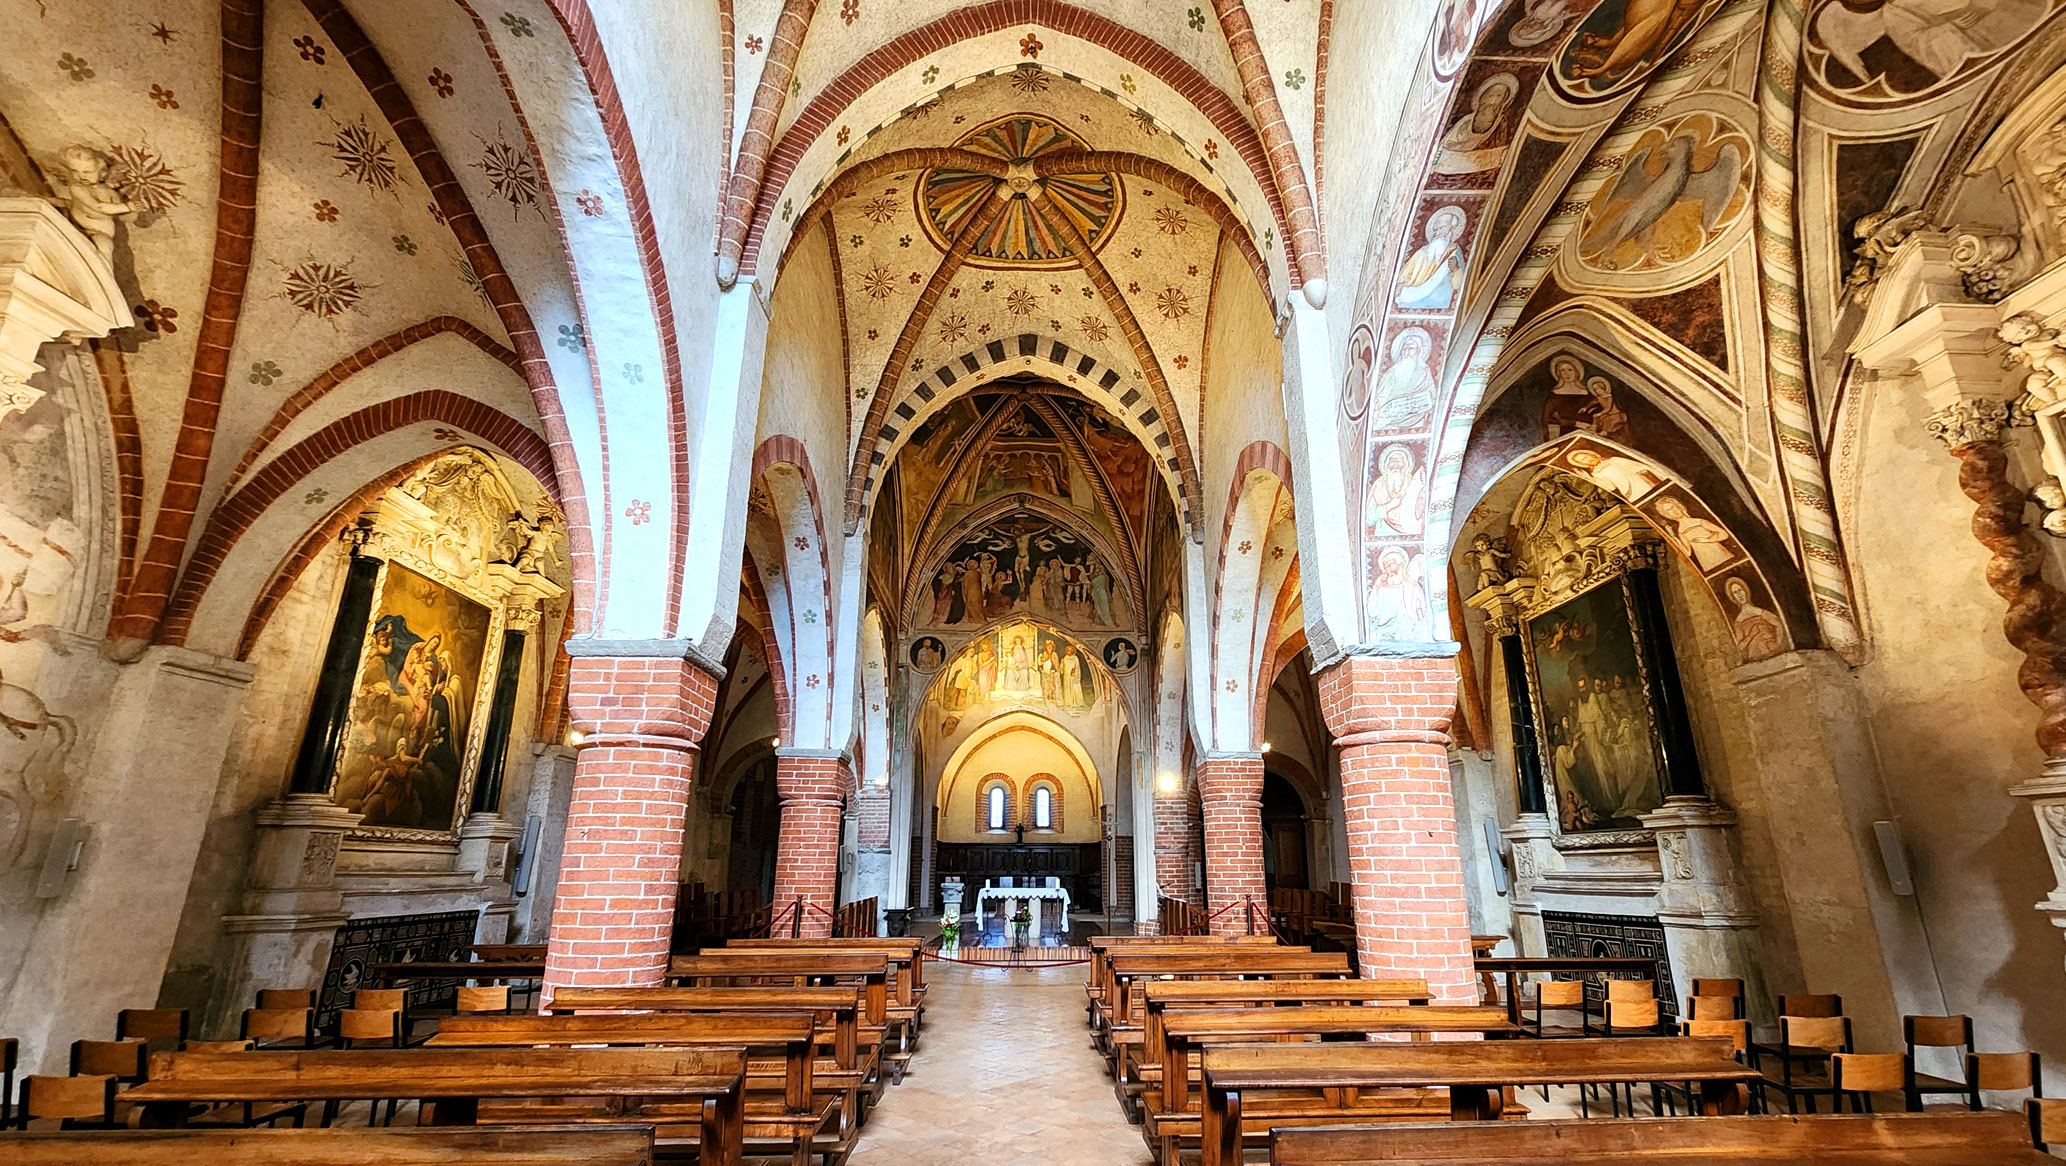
(1478, 139)
(1429, 279)
(1758, 631)
(1405, 397)
(1703, 541)
(1398, 497)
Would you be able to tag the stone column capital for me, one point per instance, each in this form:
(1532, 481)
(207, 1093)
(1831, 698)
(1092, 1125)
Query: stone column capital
(1966, 421)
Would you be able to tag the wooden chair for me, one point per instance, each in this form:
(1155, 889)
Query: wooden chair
(1630, 1009)
(1738, 1034)
(286, 998)
(1561, 996)
(1935, 1032)
(1860, 1075)
(1809, 1005)
(279, 1027)
(1713, 1008)
(75, 1103)
(369, 1028)
(487, 998)
(1708, 987)
(153, 1026)
(1804, 1039)
(10, 1059)
(2002, 1073)
(124, 1060)
(2047, 1122)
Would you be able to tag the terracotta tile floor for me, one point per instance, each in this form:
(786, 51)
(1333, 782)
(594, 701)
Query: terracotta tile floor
(1004, 1075)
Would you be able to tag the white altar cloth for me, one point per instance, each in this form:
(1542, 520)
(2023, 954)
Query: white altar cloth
(1011, 898)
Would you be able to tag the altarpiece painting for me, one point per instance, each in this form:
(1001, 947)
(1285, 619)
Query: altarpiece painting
(1596, 722)
(403, 759)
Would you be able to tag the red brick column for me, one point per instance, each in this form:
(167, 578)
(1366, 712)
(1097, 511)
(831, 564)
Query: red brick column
(1174, 858)
(1230, 790)
(641, 720)
(1390, 719)
(812, 783)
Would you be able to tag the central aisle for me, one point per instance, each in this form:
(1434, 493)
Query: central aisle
(1004, 1075)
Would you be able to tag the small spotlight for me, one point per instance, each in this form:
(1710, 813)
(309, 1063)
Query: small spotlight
(1266, 746)
(1168, 783)
(774, 742)
(576, 736)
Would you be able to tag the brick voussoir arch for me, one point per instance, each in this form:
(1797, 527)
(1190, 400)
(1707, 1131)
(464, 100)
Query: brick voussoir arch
(236, 513)
(1075, 367)
(977, 20)
(360, 361)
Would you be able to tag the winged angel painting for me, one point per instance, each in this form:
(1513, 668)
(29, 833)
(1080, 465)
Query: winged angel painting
(1684, 182)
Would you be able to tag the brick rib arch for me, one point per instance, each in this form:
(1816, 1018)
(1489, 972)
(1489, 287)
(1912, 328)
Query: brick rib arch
(818, 116)
(583, 534)
(360, 361)
(239, 511)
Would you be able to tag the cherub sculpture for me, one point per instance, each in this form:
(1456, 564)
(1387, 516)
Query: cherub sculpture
(2040, 348)
(537, 543)
(87, 196)
(1879, 234)
(1491, 557)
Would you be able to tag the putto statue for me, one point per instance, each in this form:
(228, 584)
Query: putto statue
(2039, 348)
(537, 543)
(88, 198)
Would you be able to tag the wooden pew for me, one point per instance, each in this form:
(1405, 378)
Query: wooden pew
(838, 1010)
(1475, 1073)
(1225, 964)
(1933, 1139)
(868, 970)
(1127, 1041)
(453, 1081)
(1172, 1107)
(906, 1009)
(1103, 998)
(787, 1100)
(600, 1145)
(1514, 967)
(1102, 947)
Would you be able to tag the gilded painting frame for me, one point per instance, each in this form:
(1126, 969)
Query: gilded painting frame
(465, 701)
(1574, 786)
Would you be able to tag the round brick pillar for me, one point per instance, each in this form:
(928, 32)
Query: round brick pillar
(1230, 791)
(641, 720)
(1390, 719)
(812, 785)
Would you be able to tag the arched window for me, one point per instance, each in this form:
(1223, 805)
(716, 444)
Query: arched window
(1043, 808)
(993, 813)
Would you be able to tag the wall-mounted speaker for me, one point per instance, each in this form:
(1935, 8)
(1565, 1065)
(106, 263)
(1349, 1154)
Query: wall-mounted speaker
(1894, 857)
(1501, 880)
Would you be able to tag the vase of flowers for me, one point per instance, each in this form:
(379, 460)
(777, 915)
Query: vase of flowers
(1021, 923)
(950, 935)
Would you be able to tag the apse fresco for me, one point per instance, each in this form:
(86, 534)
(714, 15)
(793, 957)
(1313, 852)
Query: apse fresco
(1025, 564)
(403, 753)
(1021, 665)
(1598, 728)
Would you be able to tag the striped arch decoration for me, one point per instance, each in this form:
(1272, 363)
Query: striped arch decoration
(1002, 357)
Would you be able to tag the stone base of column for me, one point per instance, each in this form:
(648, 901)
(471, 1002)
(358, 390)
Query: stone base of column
(812, 784)
(1230, 792)
(641, 719)
(1390, 718)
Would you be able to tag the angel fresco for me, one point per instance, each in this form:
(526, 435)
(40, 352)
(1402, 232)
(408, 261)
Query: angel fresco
(1679, 187)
